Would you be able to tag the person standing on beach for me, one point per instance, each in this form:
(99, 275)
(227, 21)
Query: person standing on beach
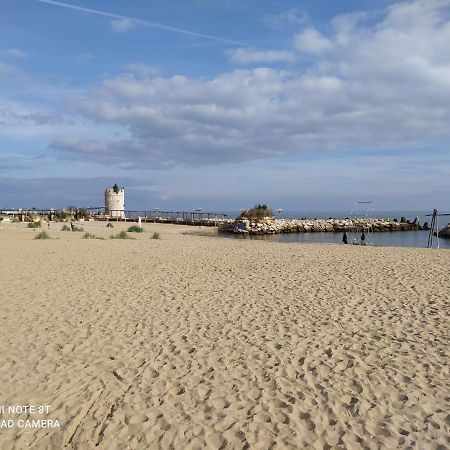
(363, 238)
(344, 238)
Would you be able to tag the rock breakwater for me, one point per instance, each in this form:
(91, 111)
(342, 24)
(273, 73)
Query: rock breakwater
(274, 226)
(445, 232)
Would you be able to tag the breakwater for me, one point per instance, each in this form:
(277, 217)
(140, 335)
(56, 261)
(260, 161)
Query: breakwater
(275, 226)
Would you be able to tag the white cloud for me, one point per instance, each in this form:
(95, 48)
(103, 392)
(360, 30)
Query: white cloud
(250, 56)
(15, 53)
(311, 41)
(26, 120)
(143, 70)
(19, 119)
(8, 70)
(383, 83)
(122, 25)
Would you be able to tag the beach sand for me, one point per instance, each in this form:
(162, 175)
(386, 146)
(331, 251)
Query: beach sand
(192, 342)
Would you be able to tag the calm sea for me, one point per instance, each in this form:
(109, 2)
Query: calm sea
(385, 239)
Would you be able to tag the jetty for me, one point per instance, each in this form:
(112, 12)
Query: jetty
(270, 225)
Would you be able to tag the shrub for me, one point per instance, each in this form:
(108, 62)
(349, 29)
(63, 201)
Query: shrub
(257, 213)
(83, 213)
(34, 225)
(121, 235)
(156, 236)
(42, 235)
(62, 215)
(135, 229)
(67, 228)
(92, 236)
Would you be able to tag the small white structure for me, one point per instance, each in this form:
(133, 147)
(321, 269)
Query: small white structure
(115, 202)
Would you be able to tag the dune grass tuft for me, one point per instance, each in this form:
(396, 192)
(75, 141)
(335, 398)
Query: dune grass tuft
(34, 225)
(92, 236)
(42, 235)
(121, 235)
(135, 229)
(156, 236)
(67, 228)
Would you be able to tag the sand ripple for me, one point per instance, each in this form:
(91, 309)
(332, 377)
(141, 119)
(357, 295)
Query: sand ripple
(194, 342)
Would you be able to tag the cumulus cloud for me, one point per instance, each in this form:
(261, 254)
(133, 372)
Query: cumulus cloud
(383, 83)
(23, 120)
(18, 119)
(248, 56)
(311, 41)
(122, 25)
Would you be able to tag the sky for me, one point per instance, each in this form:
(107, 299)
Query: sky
(304, 105)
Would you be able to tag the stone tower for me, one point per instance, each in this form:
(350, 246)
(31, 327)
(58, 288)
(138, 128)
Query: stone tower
(115, 202)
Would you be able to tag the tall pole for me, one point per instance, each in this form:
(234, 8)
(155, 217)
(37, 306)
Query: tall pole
(432, 228)
(437, 229)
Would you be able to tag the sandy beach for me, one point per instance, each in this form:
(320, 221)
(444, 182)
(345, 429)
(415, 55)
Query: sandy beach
(193, 342)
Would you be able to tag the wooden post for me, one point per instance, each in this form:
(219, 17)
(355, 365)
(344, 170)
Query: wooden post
(432, 228)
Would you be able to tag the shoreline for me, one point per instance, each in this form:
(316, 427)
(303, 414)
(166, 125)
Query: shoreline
(380, 240)
(275, 226)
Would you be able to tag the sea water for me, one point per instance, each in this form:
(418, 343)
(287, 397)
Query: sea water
(381, 239)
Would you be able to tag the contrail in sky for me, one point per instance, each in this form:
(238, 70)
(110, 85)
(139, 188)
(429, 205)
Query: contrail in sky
(141, 22)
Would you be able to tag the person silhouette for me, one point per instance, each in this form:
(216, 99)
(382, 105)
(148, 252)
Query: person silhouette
(363, 238)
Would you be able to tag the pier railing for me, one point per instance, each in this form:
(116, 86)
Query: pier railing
(201, 218)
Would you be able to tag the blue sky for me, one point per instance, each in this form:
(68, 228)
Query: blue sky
(307, 105)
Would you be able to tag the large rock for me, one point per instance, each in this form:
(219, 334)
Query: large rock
(445, 232)
(272, 226)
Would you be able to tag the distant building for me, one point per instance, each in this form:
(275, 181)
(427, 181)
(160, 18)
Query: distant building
(115, 202)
